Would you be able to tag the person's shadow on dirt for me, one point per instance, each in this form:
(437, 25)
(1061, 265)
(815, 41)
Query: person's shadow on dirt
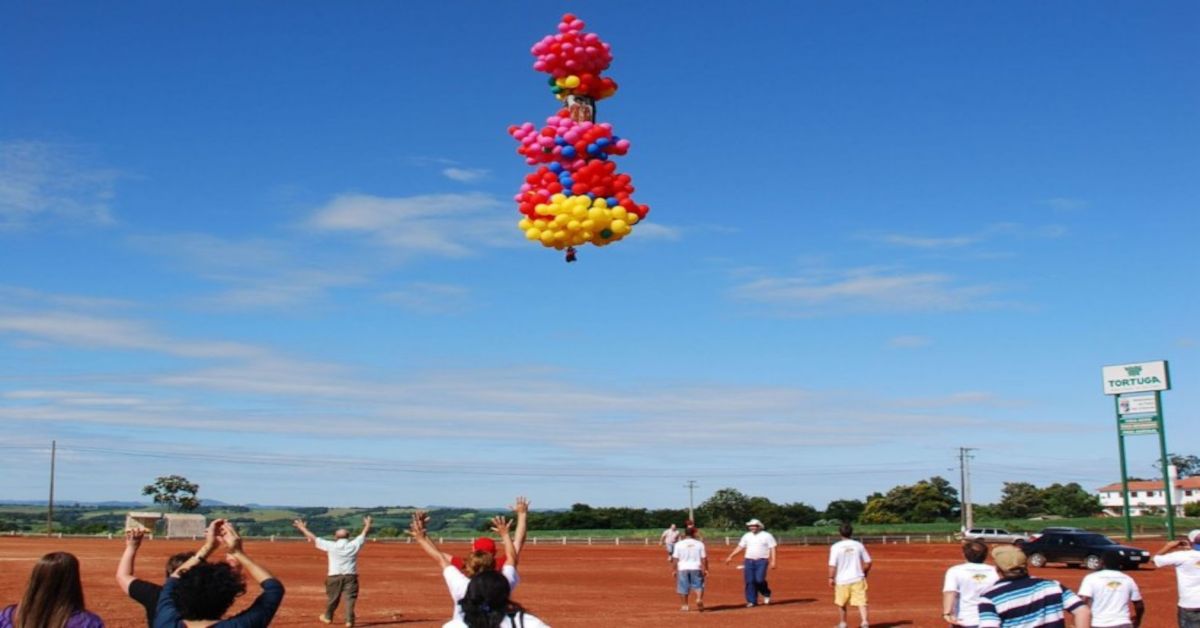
(774, 602)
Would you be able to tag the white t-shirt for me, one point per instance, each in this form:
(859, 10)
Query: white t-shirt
(670, 536)
(1111, 592)
(690, 555)
(1187, 575)
(529, 621)
(758, 545)
(848, 555)
(968, 580)
(343, 554)
(457, 582)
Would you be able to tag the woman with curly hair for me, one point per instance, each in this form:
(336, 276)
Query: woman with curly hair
(198, 593)
(53, 598)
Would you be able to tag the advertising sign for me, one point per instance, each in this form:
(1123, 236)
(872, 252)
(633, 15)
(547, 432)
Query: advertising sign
(1139, 377)
(1140, 425)
(1145, 404)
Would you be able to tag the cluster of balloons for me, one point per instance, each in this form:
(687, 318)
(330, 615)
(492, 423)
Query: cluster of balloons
(576, 196)
(565, 221)
(567, 142)
(574, 61)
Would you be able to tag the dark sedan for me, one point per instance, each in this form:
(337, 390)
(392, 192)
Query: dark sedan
(1080, 548)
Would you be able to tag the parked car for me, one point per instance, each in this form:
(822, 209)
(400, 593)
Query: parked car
(993, 535)
(1080, 548)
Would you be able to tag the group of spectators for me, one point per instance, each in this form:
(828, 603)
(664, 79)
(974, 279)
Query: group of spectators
(198, 592)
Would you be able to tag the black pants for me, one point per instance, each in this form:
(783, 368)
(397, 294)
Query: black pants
(337, 587)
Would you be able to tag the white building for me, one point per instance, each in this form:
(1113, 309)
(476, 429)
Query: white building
(1147, 495)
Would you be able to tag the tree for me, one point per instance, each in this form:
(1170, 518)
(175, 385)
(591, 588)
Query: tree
(845, 510)
(174, 491)
(725, 509)
(924, 502)
(1185, 466)
(1070, 500)
(1019, 500)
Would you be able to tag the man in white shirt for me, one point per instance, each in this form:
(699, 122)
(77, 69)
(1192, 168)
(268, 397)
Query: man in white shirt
(342, 579)
(963, 584)
(669, 537)
(849, 564)
(1110, 593)
(1183, 556)
(759, 546)
(690, 559)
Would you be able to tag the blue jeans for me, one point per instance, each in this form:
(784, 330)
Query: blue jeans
(1189, 618)
(755, 574)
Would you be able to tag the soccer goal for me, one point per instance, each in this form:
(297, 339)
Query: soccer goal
(185, 526)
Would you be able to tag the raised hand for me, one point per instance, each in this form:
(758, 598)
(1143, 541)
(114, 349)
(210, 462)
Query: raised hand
(299, 524)
(133, 537)
(500, 525)
(522, 505)
(231, 538)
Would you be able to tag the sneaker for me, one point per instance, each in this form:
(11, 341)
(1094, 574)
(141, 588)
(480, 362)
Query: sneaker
(324, 620)
(840, 625)
(749, 604)
(766, 599)
(684, 607)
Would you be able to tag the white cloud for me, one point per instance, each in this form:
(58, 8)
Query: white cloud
(449, 225)
(42, 183)
(431, 298)
(656, 230)
(864, 290)
(927, 242)
(465, 175)
(909, 342)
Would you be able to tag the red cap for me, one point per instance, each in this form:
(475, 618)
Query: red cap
(484, 544)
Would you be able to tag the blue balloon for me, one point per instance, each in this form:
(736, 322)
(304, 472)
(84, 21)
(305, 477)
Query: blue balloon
(560, 140)
(568, 151)
(593, 149)
(591, 196)
(555, 167)
(612, 201)
(604, 141)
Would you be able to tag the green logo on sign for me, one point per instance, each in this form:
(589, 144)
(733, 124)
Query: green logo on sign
(1133, 371)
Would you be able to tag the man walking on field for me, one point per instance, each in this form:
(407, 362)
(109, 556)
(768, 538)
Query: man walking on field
(669, 537)
(342, 579)
(1110, 593)
(759, 546)
(691, 568)
(849, 564)
(963, 584)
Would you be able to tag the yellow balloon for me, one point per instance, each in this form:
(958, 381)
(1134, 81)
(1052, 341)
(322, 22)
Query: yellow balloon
(571, 82)
(533, 234)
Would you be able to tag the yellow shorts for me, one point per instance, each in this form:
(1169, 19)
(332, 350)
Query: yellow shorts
(855, 593)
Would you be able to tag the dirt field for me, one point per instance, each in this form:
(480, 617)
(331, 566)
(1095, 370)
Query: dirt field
(566, 586)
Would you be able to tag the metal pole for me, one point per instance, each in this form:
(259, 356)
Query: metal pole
(1166, 465)
(691, 487)
(970, 497)
(50, 511)
(1124, 472)
(962, 483)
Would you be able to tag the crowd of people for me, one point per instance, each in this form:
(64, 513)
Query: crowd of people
(198, 592)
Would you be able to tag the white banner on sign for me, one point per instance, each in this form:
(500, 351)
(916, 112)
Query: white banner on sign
(1137, 405)
(1139, 377)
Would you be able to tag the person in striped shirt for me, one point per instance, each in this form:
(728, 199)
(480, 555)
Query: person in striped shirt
(1019, 600)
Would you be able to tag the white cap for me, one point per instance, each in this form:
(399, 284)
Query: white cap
(754, 522)
(1194, 537)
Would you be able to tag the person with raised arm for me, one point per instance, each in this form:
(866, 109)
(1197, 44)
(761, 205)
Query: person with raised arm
(341, 580)
(486, 544)
(141, 591)
(198, 594)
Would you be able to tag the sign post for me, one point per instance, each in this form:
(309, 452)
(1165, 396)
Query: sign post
(1141, 414)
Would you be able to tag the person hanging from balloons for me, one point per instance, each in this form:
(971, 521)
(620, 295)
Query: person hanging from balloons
(576, 196)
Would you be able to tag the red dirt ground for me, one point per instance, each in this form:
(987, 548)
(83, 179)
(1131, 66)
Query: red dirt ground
(564, 585)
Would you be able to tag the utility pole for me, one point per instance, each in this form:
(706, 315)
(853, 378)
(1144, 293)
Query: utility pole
(691, 487)
(964, 469)
(50, 512)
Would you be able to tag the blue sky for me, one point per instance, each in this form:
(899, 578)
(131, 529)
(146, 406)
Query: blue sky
(272, 247)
